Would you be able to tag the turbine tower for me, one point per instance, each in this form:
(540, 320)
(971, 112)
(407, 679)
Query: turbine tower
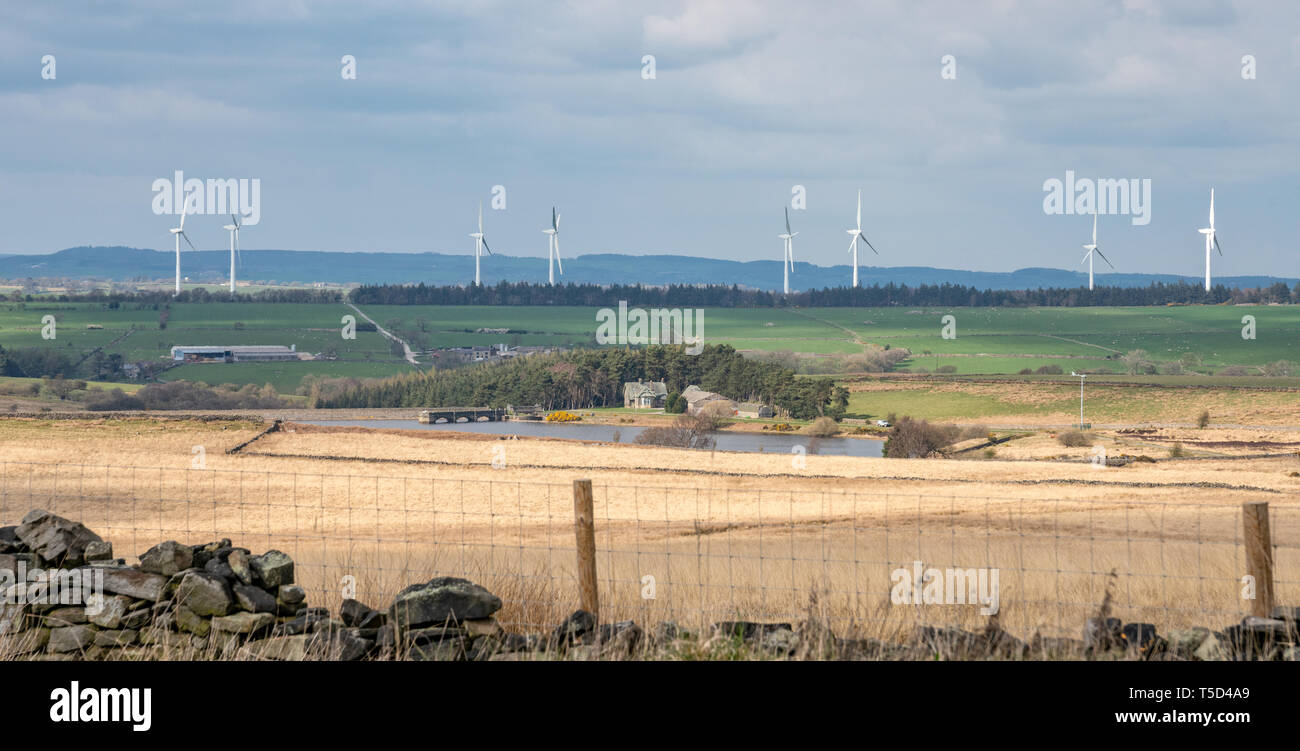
(853, 244)
(553, 246)
(178, 233)
(1094, 248)
(787, 264)
(480, 244)
(1210, 239)
(233, 229)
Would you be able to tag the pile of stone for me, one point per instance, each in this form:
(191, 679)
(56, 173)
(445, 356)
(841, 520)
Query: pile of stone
(64, 596)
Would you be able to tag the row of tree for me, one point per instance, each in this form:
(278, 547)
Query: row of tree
(733, 296)
(589, 378)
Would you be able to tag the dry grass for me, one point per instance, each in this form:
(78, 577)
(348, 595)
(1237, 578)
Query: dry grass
(724, 535)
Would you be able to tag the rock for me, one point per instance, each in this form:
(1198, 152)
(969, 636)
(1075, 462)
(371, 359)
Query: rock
(619, 639)
(433, 633)
(1140, 636)
(9, 535)
(292, 594)
(31, 640)
(167, 558)
(1100, 635)
(253, 599)
(302, 624)
(188, 620)
(279, 648)
(665, 632)
(9, 562)
(446, 650)
(72, 615)
(205, 594)
(153, 635)
(71, 638)
(444, 599)
(483, 627)
(273, 568)
(98, 550)
(137, 619)
(106, 611)
(747, 630)
(60, 541)
(1211, 649)
(355, 613)
(237, 560)
(339, 645)
(1185, 641)
(218, 567)
(134, 583)
(577, 625)
(116, 638)
(201, 554)
(243, 623)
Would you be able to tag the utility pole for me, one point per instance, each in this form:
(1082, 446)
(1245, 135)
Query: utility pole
(1080, 376)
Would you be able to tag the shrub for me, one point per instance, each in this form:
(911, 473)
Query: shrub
(714, 415)
(675, 404)
(910, 439)
(822, 427)
(114, 400)
(1050, 370)
(1204, 419)
(562, 416)
(946, 369)
(1074, 438)
(1176, 451)
(684, 433)
(1026, 371)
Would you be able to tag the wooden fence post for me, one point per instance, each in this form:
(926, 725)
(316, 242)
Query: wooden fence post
(1259, 555)
(584, 529)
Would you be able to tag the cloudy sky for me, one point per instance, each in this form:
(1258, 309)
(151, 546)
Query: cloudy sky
(748, 100)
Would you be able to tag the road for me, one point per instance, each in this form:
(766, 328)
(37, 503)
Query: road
(406, 348)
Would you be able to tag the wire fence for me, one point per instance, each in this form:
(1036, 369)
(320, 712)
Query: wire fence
(872, 563)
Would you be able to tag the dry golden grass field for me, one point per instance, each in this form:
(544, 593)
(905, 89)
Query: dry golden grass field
(722, 534)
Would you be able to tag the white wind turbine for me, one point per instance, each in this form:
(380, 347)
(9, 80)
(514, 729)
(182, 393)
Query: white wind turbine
(480, 244)
(233, 229)
(553, 246)
(787, 264)
(1093, 248)
(853, 244)
(1210, 239)
(178, 233)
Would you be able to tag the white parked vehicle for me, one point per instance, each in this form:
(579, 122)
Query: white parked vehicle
(882, 423)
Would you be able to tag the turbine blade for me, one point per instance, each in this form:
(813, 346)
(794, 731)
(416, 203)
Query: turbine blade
(485, 246)
(859, 224)
(1216, 244)
(555, 219)
(1104, 258)
(869, 245)
(187, 241)
(787, 220)
(559, 261)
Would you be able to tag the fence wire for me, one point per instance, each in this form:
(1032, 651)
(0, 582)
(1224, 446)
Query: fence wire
(694, 555)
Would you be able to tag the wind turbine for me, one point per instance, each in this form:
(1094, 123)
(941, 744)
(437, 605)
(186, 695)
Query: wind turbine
(787, 264)
(1093, 248)
(853, 244)
(480, 244)
(1210, 239)
(178, 233)
(233, 229)
(553, 246)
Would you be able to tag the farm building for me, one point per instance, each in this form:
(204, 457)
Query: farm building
(644, 394)
(697, 398)
(754, 409)
(236, 353)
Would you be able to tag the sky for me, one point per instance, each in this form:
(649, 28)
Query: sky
(948, 116)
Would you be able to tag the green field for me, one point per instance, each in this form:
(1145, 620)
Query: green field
(988, 340)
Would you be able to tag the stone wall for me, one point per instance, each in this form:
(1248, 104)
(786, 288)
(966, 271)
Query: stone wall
(217, 601)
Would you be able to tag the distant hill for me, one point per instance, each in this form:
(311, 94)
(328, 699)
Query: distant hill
(283, 266)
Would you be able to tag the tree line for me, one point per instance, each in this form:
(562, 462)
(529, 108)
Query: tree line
(734, 296)
(586, 378)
